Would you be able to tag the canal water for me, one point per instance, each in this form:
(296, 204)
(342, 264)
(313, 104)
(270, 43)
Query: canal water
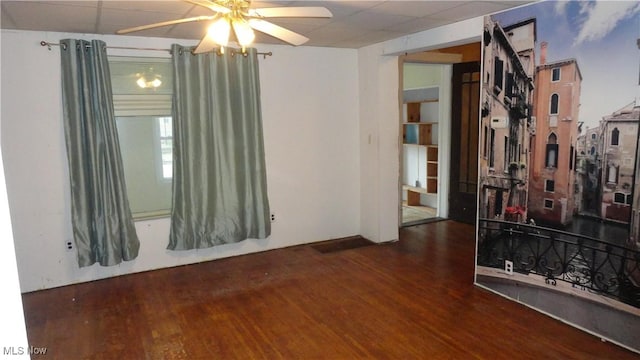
(612, 233)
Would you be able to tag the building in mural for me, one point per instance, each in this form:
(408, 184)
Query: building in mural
(552, 175)
(582, 183)
(618, 146)
(588, 173)
(509, 65)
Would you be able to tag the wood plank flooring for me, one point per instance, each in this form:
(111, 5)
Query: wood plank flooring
(412, 299)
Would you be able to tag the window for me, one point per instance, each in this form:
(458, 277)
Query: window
(555, 74)
(509, 86)
(513, 142)
(498, 207)
(553, 109)
(551, 159)
(615, 137)
(612, 174)
(571, 158)
(549, 185)
(142, 90)
(492, 145)
(519, 152)
(165, 136)
(548, 203)
(629, 200)
(485, 151)
(593, 150)
(505, 161)
(498, 75)
(593, 136)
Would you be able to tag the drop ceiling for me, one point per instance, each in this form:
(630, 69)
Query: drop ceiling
(354, 23)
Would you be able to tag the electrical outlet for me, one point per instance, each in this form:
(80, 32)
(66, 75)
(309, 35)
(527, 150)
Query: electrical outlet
(508, 267)
(68, 245)
(273, 217)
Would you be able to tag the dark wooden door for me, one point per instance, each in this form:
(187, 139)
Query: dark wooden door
(464, 142)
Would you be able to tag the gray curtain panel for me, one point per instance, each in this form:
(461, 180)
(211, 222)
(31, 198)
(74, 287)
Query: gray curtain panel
(103, 228)
(219, 175)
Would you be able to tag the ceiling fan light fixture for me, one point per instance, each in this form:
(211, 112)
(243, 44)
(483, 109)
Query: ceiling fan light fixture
(219, 31)
(244, 20)
(244, 32)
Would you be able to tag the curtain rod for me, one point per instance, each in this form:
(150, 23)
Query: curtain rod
(233, 51)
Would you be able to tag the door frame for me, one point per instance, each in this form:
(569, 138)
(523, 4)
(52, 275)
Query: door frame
(444, 125)
(445, 56)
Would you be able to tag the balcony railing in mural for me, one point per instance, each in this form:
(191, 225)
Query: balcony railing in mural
(519, 106)
(586, 263)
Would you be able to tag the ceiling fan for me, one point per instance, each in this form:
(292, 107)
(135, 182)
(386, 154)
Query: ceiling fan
(239, 16)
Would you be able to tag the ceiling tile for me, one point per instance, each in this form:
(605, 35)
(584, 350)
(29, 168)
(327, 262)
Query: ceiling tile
(417, 25)
(373, 20)
(5, 18)
(378, 35)
(70, 16)
(416, 8)
(176, 7)
(340, 9)
(469, 10)
(194, 30)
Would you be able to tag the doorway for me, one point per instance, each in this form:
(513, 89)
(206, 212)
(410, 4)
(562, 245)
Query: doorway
(463, 193)
(421, 118)
(434, 119)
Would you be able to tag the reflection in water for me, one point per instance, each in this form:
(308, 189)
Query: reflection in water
(609, 232)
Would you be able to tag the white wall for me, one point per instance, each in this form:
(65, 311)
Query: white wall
(379, 117)
(310, 113)
(13, 333)
(379, 144)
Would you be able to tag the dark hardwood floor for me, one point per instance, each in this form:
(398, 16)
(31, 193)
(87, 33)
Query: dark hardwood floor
(412, 299)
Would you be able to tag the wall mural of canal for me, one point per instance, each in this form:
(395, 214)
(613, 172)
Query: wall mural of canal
(559, 177)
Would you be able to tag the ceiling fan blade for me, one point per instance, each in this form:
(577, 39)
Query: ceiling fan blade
(205, 45)
(210, 5)
(164, 23)
(279, 32)
(318, 12)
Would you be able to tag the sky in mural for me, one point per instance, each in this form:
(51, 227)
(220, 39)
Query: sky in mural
(602, 36)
